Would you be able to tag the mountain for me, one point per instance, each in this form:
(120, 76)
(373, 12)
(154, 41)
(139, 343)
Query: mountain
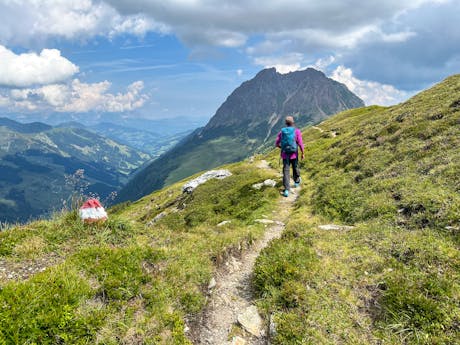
(367, 254)
(249, 118)
(164, 126)
(260, 105)
(35, 159)
(33, 127)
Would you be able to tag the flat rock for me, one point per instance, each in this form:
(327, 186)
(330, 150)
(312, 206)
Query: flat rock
(190, 186)
(270, 183)
(334, 227)
(224, 222)
(267, 183)
(238, 341)
(257, 186)
(212, 284)
(157, 218)
(264, 221)
(251, 321)
(451, 228)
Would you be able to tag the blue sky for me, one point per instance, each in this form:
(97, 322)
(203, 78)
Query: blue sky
(162, 59)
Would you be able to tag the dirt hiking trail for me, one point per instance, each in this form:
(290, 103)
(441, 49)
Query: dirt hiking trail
(232, 294)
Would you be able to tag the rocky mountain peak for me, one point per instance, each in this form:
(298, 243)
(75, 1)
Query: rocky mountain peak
(308, 94)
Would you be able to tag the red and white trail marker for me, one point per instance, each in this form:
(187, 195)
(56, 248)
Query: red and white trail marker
(92, 211)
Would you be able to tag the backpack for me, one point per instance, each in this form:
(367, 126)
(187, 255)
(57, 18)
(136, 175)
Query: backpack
(288, 143)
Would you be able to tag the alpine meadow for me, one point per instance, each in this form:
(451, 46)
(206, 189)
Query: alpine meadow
(368, 253)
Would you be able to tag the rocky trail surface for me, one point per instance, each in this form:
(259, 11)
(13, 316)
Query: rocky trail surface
(231, 316)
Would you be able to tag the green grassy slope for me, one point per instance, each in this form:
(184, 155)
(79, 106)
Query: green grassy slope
(392, 279)
(394, 173)
(129, 280)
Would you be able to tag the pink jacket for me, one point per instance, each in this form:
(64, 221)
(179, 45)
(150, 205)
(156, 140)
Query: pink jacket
(298, 139)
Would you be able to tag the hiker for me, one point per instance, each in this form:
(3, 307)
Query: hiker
(289, 139)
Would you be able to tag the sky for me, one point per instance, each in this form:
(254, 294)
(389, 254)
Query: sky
(164, 59)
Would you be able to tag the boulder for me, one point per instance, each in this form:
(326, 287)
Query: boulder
(190, 186)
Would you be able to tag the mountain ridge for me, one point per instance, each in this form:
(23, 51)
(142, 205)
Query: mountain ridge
(32, 127)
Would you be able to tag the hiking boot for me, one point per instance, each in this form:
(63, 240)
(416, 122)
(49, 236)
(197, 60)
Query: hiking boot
(298, 183)
(286, 193)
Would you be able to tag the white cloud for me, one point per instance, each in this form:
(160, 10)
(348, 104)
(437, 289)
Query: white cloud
(85, 97)
(369, 91)
(314, 39)
(88, 97)
(4, 101)
(224, 23)
(239, 72)
(29, 23)
(398, 37)
(76, 97)
(25, 21)
(70, 18)
(215, 37)
(30, 68)
(137, 25)
(331, 23)
(322, 63)
(55, 95)
(283, 64)
(388, 34)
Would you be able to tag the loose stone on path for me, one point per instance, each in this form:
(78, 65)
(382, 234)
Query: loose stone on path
(251, 321)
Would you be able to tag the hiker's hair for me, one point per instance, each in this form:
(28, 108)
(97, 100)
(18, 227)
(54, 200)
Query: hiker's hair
(289, 120)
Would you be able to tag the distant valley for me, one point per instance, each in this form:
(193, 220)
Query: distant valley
(147, 141)
(35, 159)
